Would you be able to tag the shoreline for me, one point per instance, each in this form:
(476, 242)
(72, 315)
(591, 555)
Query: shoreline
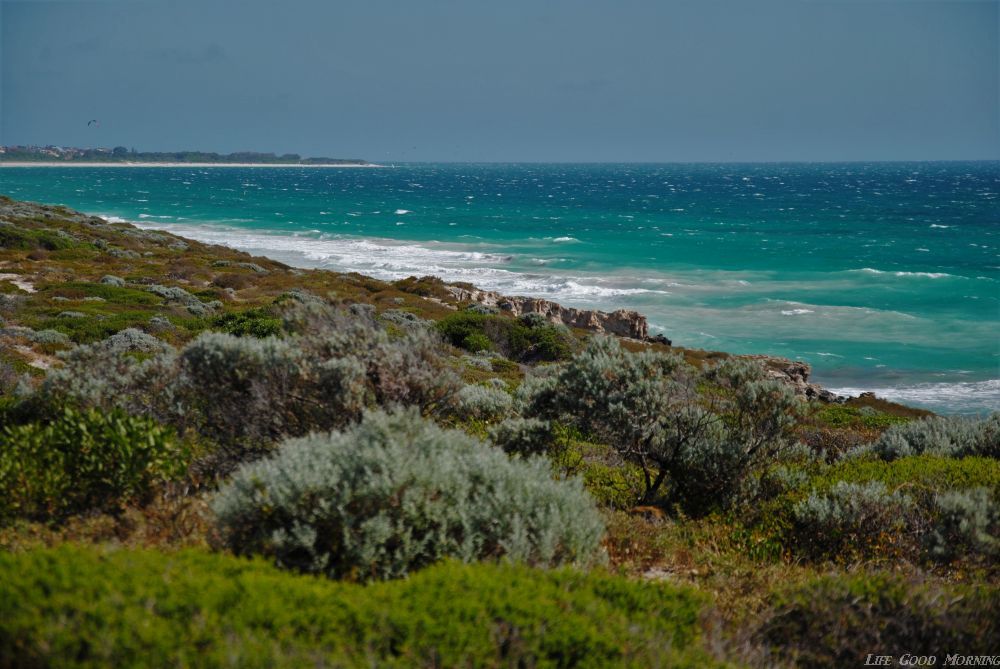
(56, 163)
(952, 396)
(916, 394)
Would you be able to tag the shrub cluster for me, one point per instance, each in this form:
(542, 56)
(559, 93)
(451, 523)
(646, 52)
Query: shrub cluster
(916, 507)
(967, 525)
(77, 607)
(83, 461)
(396, 493)
(258, 323)
(244, 394)
(523, 436)
(851, 519)
(836, 621)
(953, 436)
(518, 339)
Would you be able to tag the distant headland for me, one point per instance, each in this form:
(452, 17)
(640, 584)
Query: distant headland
(122, 156)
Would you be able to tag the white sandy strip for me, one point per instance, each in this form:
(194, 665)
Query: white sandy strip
(69, 163)
(36, 360)
(16, 279)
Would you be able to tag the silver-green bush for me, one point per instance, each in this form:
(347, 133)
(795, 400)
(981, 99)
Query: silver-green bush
(245, 394)
(133, 339)
(483, 403)
(253, 392)
(953, 436)
(967, 524)
(523, 436)
(397, 492)
(852, 517)
(699, 431)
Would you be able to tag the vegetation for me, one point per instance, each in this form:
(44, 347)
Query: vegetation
(652, 408)
(158, 394)
(78, 607)
(953, 436)
(525, 339)
(396, 493)
(836, 621)
(83, 461)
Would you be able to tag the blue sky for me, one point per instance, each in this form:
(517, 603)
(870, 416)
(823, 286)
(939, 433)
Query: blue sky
(519, 80)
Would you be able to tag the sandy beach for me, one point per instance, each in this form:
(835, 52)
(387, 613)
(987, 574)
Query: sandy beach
(131, 164)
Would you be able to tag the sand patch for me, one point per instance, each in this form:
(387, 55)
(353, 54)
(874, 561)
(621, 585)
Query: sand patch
(36, 360)
(19, 281)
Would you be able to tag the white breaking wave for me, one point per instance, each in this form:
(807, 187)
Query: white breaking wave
(929, 275)
(391, 260)
(400, 212)
(963, 397)
(563, 240)
(796, 312)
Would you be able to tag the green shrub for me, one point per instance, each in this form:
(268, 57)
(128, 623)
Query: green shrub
(476, 331)
(12, 237)
(504, 366)
(552, 343)
(477, 342)
(921, 476)
(954, 436)
(396, 493)
(836, 621)
(458, 327)
(110, 289)
(77, 607)
(840, 415)
(83, 461)
(425, 286)
(249, 323)
(613, 485)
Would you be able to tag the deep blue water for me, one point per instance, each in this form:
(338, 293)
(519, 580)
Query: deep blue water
(884, 276)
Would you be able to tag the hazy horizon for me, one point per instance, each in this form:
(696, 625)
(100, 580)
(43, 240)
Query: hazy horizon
(567, 82)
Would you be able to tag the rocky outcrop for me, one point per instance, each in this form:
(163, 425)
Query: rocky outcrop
(623, 322)
(796, 374)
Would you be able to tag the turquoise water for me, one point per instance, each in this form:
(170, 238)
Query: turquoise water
(884, 277)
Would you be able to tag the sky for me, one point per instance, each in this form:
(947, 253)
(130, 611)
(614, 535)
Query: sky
(518, 80)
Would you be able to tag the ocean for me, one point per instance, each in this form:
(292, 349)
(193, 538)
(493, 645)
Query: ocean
(883, 276)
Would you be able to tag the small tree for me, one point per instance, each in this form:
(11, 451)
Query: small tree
(700, 429)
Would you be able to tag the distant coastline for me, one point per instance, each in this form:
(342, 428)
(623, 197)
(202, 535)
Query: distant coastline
(120, 156)
(73, 163)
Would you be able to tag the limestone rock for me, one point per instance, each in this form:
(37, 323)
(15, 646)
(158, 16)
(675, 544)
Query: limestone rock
(623, 322)
(796, 373)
